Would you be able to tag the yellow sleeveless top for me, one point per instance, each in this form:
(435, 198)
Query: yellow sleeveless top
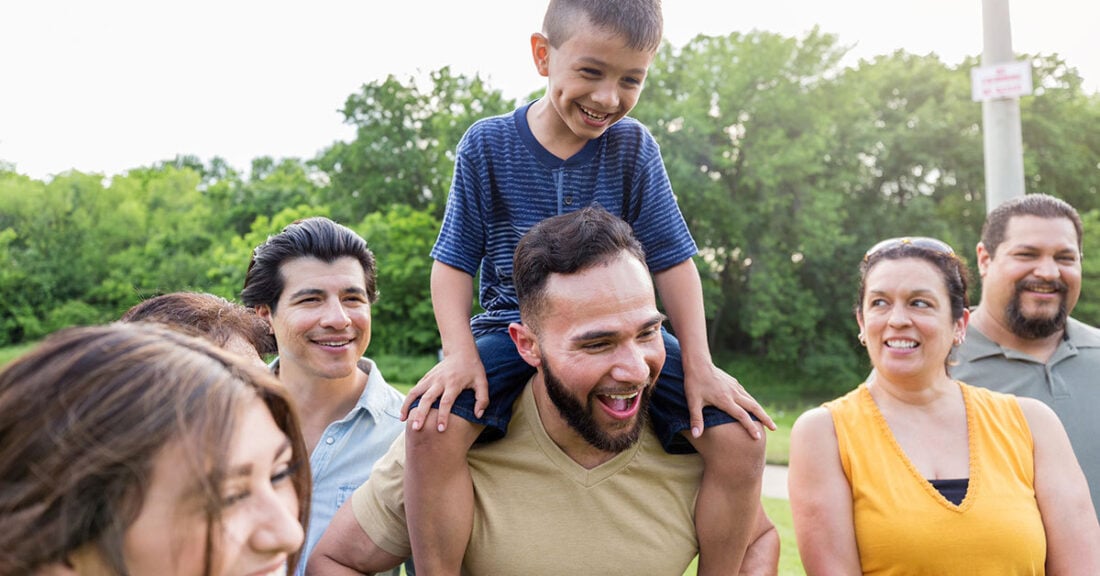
(903, 525)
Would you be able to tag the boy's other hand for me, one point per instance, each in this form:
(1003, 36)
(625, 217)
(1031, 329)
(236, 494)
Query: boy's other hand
(712, 386)
(445, 381)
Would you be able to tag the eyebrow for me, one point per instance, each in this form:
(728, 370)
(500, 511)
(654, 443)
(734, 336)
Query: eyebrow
(1038, 248)
(597, 62)
(599, 334)
(319, 292)
(912, 292)
(245, 470)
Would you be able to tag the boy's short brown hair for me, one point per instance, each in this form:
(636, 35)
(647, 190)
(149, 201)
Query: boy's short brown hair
(639, 21)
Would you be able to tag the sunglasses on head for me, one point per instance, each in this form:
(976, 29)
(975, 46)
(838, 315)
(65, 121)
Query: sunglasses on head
(917, 241)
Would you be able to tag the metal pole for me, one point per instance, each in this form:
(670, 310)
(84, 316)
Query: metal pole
(1004, 150)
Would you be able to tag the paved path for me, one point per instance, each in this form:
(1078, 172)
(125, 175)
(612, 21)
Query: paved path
(775, 482)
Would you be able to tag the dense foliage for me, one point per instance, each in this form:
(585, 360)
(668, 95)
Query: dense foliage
(786, 165)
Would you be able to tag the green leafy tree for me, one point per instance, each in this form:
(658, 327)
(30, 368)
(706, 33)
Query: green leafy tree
(1088, 305)
(170, 230)
(65, 232)
(1061, 143)
(228, 261)
(271, 186)
(746, 132)
(15, 311)
(403, 321)
(912, 138)
(403, 152)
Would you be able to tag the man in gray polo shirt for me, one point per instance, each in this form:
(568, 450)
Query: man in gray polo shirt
(1021, 339)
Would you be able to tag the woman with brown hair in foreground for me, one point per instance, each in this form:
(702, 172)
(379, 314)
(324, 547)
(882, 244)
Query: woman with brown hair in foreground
(132, 449)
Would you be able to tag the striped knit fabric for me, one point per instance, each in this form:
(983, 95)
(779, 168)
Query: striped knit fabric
(505, 182)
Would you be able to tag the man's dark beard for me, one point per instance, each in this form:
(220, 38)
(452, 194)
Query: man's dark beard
(1035, 328)
(580, 417)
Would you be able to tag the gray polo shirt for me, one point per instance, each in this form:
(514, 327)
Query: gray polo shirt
(1069, 383)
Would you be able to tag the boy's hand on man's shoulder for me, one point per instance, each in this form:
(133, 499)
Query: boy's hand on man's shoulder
(715, 387)
(444, 382)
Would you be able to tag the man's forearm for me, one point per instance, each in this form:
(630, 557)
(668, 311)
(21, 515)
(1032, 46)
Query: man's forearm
(346, 550)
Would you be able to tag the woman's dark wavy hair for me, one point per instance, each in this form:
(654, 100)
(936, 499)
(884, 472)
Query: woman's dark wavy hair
(956, 278)
(952, 269)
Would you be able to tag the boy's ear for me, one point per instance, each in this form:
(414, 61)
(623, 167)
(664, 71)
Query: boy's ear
(540, 52)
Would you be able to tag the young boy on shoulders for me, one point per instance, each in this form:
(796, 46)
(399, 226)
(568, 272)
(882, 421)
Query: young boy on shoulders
(573, 147)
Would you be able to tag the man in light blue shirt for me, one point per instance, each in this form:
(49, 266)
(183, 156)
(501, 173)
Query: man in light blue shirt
(314, 282)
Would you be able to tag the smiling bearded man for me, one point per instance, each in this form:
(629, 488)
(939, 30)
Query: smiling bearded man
(1037, 326)
(580, 482)
(1021, 339)
(580, 415)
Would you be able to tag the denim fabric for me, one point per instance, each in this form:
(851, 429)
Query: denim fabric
(508, 373)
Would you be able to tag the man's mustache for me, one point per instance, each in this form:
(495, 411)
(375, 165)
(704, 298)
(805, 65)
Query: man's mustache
(1042, 285)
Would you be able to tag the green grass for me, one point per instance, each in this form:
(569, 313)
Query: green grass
(779, 511)
(9, 353)
(779, 441)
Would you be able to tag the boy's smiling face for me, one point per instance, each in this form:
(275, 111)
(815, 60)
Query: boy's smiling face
(594, 79)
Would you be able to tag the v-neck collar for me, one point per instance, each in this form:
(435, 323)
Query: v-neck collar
(574, 471)
(974, 485)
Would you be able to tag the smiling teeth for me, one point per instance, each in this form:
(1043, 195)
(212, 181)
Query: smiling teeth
(622, 396)
(593, 115)
(335, 344)
(901, 344)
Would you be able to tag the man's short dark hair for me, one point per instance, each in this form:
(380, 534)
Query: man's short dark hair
(1040, 205)
(640, 22)
(567, 244)
(316, 237)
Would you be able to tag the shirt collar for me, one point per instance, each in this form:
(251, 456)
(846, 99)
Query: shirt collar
(978, 346)
(1082, 335)
(373, 399)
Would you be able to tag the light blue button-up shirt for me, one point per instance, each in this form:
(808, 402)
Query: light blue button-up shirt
(348, 449)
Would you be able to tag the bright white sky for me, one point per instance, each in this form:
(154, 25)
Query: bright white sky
(108, 85)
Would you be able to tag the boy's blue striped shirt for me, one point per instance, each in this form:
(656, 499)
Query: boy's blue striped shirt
(505, 182)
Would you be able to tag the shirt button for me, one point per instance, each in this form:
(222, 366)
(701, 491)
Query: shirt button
(568, 200)
(329, 440)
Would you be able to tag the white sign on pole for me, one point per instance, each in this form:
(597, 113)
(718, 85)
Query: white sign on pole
(1006, 80)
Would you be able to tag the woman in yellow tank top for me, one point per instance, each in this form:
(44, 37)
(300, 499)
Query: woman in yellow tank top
(914, 472)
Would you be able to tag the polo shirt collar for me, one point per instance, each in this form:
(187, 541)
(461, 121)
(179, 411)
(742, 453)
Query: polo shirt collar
(1077, 335)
